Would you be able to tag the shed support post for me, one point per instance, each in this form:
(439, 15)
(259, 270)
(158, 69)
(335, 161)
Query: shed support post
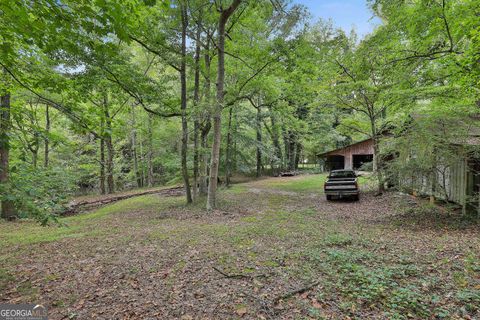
(348, 161)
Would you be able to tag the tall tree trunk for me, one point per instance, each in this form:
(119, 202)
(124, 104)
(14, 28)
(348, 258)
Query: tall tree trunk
(46, 139)
(298, 153)
(205, 126)
(109, 166)
(215, 157)
(258, 128)
(102, 156)
(228, 153)
(102, 166)
(286, 147)
(183, 81)
(203, 165)
(217, 117)
(377, 166)
(109, 145)
(150, 151)
(276, 142)
(133, 138)
(34, 145)
(8, 210)
(35, 156)
(142, 162)
(235, 134)
(196, 124)
(196, 158)
(291, 150)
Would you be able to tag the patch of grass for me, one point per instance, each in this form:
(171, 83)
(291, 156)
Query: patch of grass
(310, 183)
(5, 278)
(360, 283)
(380, 288)
(79, 226)
(51, 277)
(472, 264)
(307, 183)
(134, 270)
(216, 230)
(340, 257)
(243, 234)
(251, 218)
(237, 189)
(241, 240)
(271, 263)
(225, 259)
(27, 290)
(470, 298)
(308, 212)
(26, 233)
(359, 279)
(338, 239)
(405, 302)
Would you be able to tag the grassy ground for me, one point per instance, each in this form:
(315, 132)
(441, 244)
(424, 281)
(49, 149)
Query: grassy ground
(275, 249)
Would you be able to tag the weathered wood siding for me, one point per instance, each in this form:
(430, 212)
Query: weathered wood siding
(360, 148)
(457, 184)
(449, 183)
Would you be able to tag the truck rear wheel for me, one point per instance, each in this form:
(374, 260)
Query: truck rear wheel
(356, 197)
(329, 197)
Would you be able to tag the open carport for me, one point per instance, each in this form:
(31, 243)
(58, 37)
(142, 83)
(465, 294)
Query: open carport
(349, 157)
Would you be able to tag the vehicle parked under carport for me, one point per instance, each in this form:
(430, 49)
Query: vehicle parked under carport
(342, 184)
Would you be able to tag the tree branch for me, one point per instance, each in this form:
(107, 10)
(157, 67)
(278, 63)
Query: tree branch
(138, 98)
(256, 73)
(154, 51)
(65, 110)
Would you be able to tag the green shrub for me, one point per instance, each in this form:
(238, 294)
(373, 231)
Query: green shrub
(40, 193)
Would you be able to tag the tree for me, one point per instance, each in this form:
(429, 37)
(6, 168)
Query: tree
(367, 89)
(217, 114)
(428, 48)
(8, 210)
(183, 80)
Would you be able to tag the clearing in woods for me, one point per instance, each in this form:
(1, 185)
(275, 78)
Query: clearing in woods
(275, 249)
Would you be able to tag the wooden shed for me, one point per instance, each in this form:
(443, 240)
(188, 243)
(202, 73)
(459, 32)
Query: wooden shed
(455, 172)
(457, 182)
(352, 156)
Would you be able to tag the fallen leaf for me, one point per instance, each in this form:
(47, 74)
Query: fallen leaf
(316, 304)
(241, 311)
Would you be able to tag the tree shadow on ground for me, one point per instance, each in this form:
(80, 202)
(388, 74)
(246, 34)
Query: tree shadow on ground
(417, 214)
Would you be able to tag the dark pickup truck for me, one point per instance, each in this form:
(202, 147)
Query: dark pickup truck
(342, 183)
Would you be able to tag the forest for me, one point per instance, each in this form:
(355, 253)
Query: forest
(100, 96)
(182, 102)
